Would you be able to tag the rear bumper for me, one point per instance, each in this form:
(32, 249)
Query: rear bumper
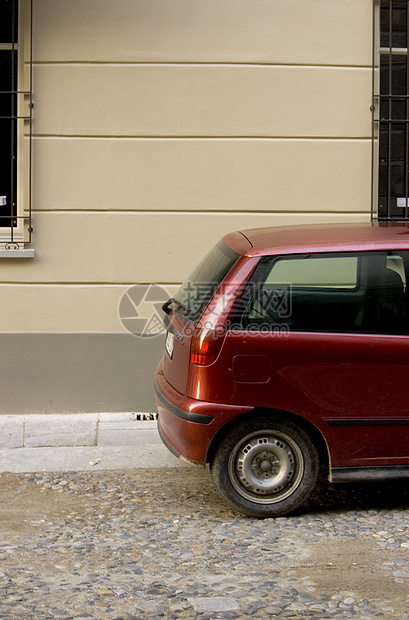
(187, 426)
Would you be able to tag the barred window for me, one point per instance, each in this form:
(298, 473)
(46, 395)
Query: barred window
(15, 123)
(392, 110)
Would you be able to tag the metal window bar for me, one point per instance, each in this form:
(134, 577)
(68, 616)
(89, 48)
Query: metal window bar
(13, 146)
(391, 106)
(15, 221)
(406, 188)
(389, 125)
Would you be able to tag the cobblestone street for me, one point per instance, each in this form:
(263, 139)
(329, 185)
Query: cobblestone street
(160, 543)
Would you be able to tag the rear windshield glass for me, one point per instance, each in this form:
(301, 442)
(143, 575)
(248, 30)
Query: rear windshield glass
(198, 289)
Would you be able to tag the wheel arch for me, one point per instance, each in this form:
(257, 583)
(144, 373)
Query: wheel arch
(314, 433)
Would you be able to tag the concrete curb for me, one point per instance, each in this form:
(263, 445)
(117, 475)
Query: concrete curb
(81, 442)
(74, 429)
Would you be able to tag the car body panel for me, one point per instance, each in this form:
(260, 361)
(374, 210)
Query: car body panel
(326, 238)
(352, 388)
(188, 426)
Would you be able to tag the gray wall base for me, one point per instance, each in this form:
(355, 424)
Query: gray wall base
(77, 373)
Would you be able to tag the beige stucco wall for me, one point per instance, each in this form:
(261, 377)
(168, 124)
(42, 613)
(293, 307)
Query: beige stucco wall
(160, 125)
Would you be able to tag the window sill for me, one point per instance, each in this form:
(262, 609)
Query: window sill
(17, 253)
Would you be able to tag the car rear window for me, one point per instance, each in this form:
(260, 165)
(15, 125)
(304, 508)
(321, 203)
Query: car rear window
(198, 289)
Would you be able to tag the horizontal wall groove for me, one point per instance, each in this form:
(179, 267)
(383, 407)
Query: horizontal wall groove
(67, 333)
(208, 212)
(171, 63)
(244, 138)
(79, 284)
(93, 284)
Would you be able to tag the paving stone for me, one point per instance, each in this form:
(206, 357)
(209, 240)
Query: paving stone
(204, 604)
(11, 431)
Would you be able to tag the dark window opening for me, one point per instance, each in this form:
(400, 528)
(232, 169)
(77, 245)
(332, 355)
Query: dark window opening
(15, 125)
(393, 171)
(8, 132)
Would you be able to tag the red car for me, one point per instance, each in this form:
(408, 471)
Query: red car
(288, 349)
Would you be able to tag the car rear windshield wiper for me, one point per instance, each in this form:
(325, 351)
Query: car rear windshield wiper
(172, 300)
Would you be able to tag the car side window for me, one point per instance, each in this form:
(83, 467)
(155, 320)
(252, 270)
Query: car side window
(332, 272)
(339, 292)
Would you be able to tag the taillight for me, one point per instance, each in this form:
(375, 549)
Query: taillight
(205, 346)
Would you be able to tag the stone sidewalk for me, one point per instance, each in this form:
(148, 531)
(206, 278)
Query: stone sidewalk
(81, 442)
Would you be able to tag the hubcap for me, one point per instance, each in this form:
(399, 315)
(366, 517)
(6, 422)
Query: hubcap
(266, 466)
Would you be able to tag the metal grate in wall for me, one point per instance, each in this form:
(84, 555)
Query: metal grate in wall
(393, 110)
(15, 131)
(145, 417)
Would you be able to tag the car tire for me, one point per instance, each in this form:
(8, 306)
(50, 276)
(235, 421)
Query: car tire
(266, 467)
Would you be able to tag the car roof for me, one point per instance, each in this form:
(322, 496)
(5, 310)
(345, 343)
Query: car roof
(326, 238)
